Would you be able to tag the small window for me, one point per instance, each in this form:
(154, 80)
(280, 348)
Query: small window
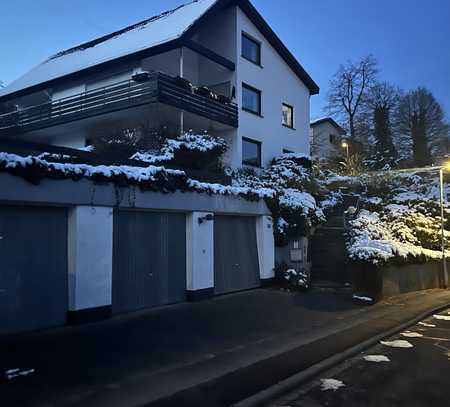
(332, 138)
(251, 49)
(288, 116)
(251, 152)
(251, 99)
(287, 151)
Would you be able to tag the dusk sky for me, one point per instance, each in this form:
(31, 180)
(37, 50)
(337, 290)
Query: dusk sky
(408, 37)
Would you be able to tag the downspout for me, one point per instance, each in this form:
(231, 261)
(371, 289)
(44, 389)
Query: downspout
(181, 76)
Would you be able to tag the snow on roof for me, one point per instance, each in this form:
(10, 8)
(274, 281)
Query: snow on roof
(154, 31)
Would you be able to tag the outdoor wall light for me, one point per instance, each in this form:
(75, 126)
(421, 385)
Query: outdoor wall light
(206, 218)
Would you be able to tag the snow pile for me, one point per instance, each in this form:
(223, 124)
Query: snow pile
(376, 358)
(294, 206)
(409, 334)
(397, 344)
(331, 384)
(427, 325)
(362, 298)
(442, 317)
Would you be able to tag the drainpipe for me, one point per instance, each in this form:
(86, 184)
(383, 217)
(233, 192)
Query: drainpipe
(181, 76)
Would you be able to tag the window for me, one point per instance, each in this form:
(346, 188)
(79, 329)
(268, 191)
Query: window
(287, 151)
(288, 116)
(332, 138)
(251, 152)
(251, 99)
(251, 49)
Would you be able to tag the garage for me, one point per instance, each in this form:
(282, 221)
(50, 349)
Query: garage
(33, 275)
(149, 260)
(236, 264)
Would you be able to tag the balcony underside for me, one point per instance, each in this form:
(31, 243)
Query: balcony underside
(122, 99)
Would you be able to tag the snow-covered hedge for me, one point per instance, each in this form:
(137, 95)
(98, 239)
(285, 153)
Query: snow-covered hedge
(152, 178)
(294, 207)
(400, 224)
(190, 150)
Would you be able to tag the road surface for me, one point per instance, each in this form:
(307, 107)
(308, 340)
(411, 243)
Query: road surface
(418, 375)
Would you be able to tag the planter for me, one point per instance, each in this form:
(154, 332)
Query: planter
(387, 281)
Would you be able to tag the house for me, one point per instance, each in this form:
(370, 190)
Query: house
(326, 139)
(95, 250)
(208, 65)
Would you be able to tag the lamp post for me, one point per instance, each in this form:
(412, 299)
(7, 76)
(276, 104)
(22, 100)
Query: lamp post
(443, 242)
(345, 145)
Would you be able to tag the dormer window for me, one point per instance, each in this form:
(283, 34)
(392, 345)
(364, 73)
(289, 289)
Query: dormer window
(251, 49)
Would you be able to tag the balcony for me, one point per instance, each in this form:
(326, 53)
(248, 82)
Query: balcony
(153, 88)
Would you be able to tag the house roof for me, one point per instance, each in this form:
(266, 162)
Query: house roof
(330, 121)
(151, 36)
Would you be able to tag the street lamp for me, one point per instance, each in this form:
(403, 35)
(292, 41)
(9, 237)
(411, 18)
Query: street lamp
(345, 145)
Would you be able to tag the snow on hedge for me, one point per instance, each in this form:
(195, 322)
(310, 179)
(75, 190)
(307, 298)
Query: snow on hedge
(400, 222)
(202, 143)
(294, 207)
(150, 177)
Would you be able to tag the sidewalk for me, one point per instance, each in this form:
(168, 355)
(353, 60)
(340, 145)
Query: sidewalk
(212, 353)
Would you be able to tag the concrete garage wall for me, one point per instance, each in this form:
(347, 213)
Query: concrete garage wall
(90, 248)
(91, 233)
(385, 282)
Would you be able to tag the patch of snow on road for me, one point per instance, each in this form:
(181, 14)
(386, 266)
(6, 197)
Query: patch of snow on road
(427, 325)
(409, 334)
(367, 299)
(331, 384)
(442, 317)
(397, 344)
(376, 358)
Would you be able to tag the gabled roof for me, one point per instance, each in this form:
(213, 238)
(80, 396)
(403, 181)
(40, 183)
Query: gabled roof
(328, 120)
(149, 37)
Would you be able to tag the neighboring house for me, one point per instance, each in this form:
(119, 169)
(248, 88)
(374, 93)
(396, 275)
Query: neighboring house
(326, 139)
(146, 72)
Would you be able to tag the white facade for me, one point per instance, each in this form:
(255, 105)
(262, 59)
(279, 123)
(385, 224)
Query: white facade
(222, 34)
(278, 84)
(326, 140)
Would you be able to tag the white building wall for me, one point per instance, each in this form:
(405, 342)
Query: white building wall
(199, 251)
(322, 147)
(90, 246)
(266, 247)
(279, 84)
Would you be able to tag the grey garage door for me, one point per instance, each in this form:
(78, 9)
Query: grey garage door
(236, 265)
(149, 260)
(33, 268)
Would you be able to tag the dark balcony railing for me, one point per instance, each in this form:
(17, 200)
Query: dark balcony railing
(157, 88)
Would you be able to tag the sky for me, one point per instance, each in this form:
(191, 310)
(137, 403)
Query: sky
(409, 38)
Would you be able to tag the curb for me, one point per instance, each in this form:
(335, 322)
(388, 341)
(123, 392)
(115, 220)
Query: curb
(306, 375)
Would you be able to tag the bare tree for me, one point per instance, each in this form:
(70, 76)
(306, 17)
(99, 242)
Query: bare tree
(348, 90)
(421, 118)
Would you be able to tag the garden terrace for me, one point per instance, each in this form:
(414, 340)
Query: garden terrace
(151, 88)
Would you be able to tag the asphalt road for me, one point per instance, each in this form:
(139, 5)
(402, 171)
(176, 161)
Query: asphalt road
(414, 376)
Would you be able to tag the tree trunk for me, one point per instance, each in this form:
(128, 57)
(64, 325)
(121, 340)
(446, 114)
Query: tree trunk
(421, 152)
(352, 127)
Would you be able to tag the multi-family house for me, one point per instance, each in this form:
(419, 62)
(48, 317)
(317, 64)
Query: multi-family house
(210, 65)
(95, 250)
